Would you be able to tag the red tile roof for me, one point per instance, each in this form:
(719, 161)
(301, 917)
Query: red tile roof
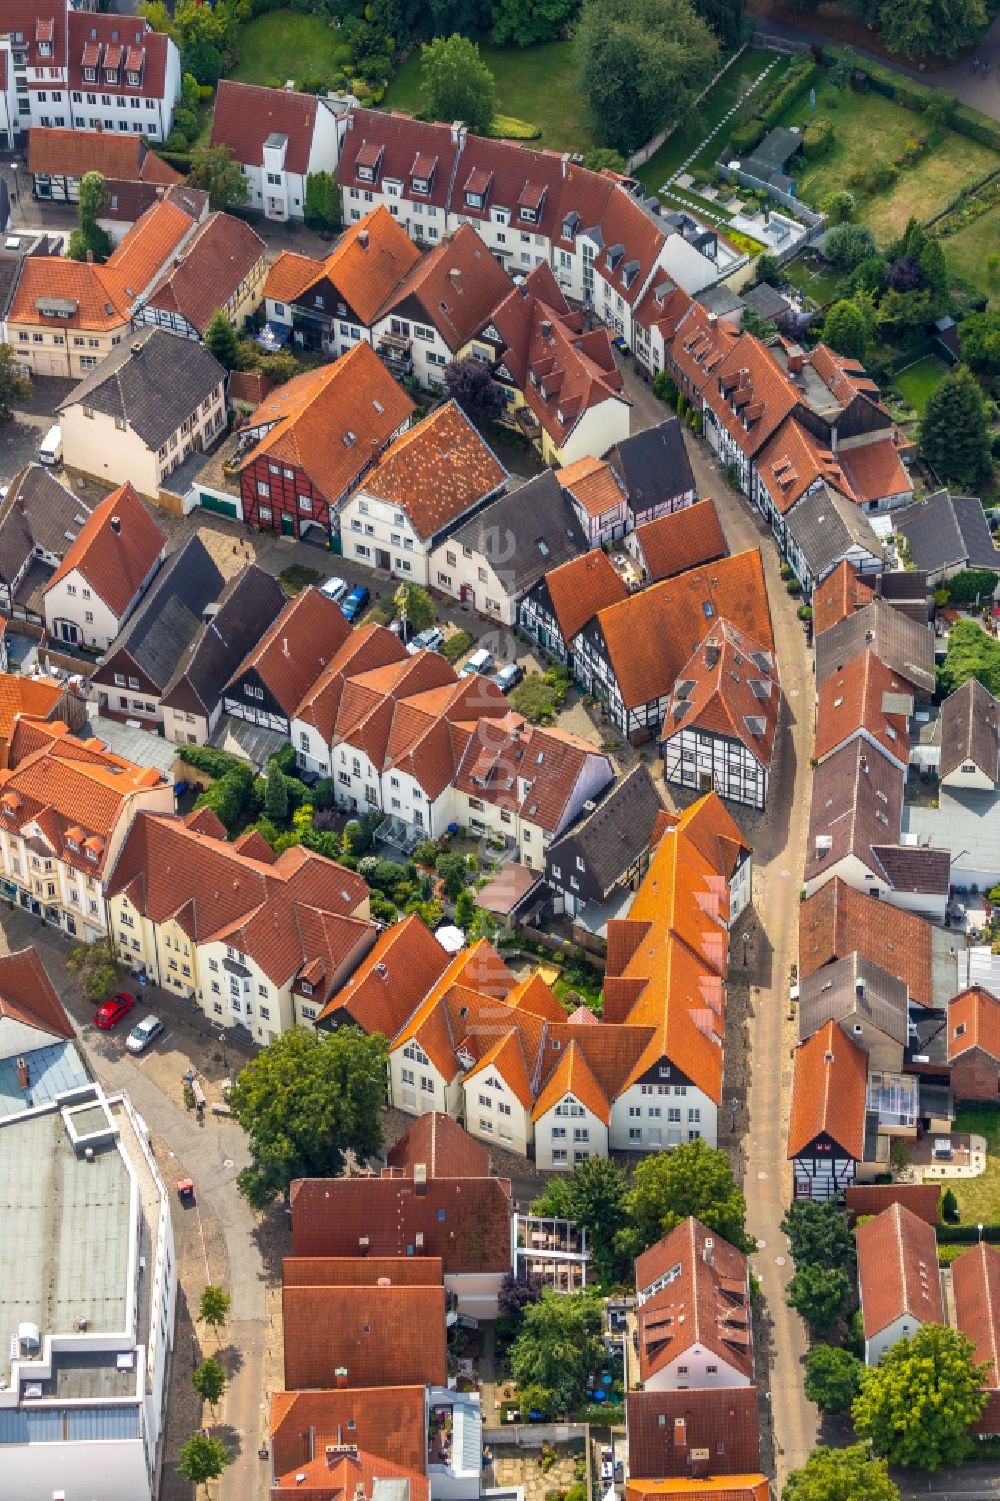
(852, 701)
(437, 471)
(793, 461)
(594, 485)
(337, 1474)
(245, 115)
(387, 1336)
(875, 471)
(512, 178)
(149, 246)
(707, 1302)
(837, 920)
(37, 697)
(388, 985)
(839, 595)
(99, 301)
(388, 1421)
(750, 395)
(362, 1271)
(718, 1488)
(974, 1022)
(38, 22)
(332, 422)
(699, 346)
(220, 256)
(115, 550)
(681, 540)
(73, 153)
(456, 285)
(829, 1090)
(248, 387)
(898, 1271)
(664, 1426)
(729, 687)
(367, 266)
(444, 1148)
(147, 53)
(975, 1278)
(291, 655)
(580, 588)
(27, 995)
(920, 1199)
(526, 769)
(394, 144)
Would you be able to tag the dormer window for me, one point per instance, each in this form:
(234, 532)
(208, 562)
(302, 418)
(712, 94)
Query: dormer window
(90, 74)
(530, 215)
(474, 200)
(306, 988)
(111, 74)
(92, 856)
(420, 185)
(133, 79)
(45, 49)
(366, 174)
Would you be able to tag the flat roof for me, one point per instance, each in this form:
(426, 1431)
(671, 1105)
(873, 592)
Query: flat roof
(54, 1070)
(143, 747)
(966, 822)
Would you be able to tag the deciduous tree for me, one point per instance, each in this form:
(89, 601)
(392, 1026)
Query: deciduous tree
(593, 1196)
(916, 1405)
(954, 435)
(214, 1306)
(840, 1475)
(14, 383)
(667, 1187)
(209, 1381)
(820, 1294)
(818, 1233)
(220, 339)
(845, 329)
(979, 340)
(833, 1377)
(525, 22)
(202, 1458)
(470, 383)
(846, 245)
(558, 1347)
(216, 171)
(455, 83)
(89, 238)
(97, 965)
(322, 205)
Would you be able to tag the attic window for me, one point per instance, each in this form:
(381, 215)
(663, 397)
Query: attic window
(539, 758)
(349, 439)
(442, 1215)
(708, 608)
(378, 407)
(960, 1030)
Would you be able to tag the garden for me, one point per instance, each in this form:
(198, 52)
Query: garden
(918, 381)
(284, 44)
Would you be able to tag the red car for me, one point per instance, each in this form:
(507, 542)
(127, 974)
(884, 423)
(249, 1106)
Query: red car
(111, 1011)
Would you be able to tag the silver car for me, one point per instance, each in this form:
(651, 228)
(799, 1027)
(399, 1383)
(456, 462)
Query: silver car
(142, 1034)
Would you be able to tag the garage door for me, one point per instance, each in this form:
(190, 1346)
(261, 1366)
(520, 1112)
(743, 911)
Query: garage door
(47, 363)
(220, 507)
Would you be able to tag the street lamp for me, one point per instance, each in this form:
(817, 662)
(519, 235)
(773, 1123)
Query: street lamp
(980, 1229)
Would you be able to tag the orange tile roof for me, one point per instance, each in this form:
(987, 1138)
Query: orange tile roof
(717, 1488)
(707, 1304)
(437, 471)
(339, 1475)
(369, 262)
(390, 983)
(290, 275)
(333, 421)
(390, 1336)
(362, 1271)
(650, 635)
(366, 647)
(700, 344)
(875, 470)
(750, 395)
(663, 306)
(115, 549)
(793, 461)
(28, 996)
(841, 593)
(37, 697)
(388, 1421)
(219, 257)
(99, 302)
(729, 686)
(974, 1022)
(457, 284)
(922, 1199)
(535, 995)
(975, 1278)
(506, 1056)
(681, 540)
(837, 921)
(291, 655)
(594, 486)
(442, 1145)
(851, 700)
(829, 1089)
(713, 831)
(573, 1075)
(525, 768)
(147, 248)
(581, 587)
(898, 1271)
(73, 153)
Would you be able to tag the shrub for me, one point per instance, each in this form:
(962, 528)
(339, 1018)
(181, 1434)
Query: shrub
(745, 137)
(510, 128)
(457, 645)
(818, 138)
(949, 1206)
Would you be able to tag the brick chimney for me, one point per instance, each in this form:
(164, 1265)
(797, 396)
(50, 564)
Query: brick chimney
(420, 1179)
(23, 1073)
(340, 1378)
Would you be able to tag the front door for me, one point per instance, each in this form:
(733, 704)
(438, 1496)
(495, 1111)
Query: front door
(468, 595)
(68, 632)
(287, 525)
(381, 558)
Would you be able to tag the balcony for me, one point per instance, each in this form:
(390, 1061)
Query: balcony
(396, 352)
(529, 424)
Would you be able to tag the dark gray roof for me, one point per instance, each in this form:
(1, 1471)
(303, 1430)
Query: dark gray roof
(910, 867)
(850, 984)
(904, 645)
(824, 527)
(248, 605)
(153, 380)
(653, 465)
(766, 301)
(970, 729)
(771, 154)
(719, 300)
(612, 836)
(525, 533)
(947, 531)
(168, 619)
(38, 511)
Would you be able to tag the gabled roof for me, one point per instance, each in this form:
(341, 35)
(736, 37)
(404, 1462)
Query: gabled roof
(523, 534)
(363, 1271)
(246, 115)
(248, 604)
(593, 485)
(514, 179)
(728, 687)
(388, 1421)
(38, 511)
(650, 635)
(366, 647)
(705, 1303)
(750, 395)
(388, 985)
(573, 1075)
(865, 696)
(715, 1488)
(58, 293)
(73, 153)
(664, 1426)
(875, 471)
(970, 730)
(613, 835)
(138, 47)
(837, 920)
(794, 460)
(152, 382)
(922, 1199)
(291, 655)
(829, 1092)
(391, 1334)
(366, 267)
(457, 284)
(437, 471)
(28, 996)
(975, 1278)
(700, 344)
(681, 540)
(115, 550)
(526, 768)
(839, 595)
(580, 588)
(857, 802)
(35, 698)
(825, 528)
(444, 1148)
(332, 422)
(653, 465)
(339, 1474)
(214, 264)
(712, 830)
(391, 146)
(898, 1271)
(974, 1022)
(903, 644)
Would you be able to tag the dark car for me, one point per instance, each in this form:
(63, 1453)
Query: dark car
(111, 1011)
(355, 602)
(508, 677)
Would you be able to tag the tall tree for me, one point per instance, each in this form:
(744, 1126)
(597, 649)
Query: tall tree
(847, 245)
(303, 1101)
(979, 340)
(322, 205)
(216, 170)
(917, 28)
(692, 1179)
(455, 83)
(209, 1381)
(818, 1233)
(833, 1377)
(954, 435)
(840, 1475)
(14, 383)
(845, 329)
(213, 1308)
(558, 1347)
(470, 382)
(725, 17)
(275, 793)
(525, 22)
(593, 1196)
(220, 340)
(89, 239)
(916, 1405)
(820, 1294)
(642, 62)
(417, 606)
(202, 1458)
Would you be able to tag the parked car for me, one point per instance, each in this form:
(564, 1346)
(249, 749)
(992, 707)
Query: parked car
(508, 677)
(480, 663)
(334, 589)
(355, 602)
(110, 1012)
(142, 1034)
(430, 640)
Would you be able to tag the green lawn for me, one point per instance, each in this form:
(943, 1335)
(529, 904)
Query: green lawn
(710, 112)
(538, 84)
(979, 1198)
(815, 277)
(283, 44)
(866, 125)
(967, 250)
(917, 381)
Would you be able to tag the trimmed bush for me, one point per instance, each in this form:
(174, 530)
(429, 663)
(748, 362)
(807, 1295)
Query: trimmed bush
(800, 77)
(746, 137)
(818, 138)
(510, 128)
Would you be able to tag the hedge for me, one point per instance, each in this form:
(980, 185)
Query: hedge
(798, 81)
(214, 763)
(179, 159)
(963, 119)
(817, 138)
(953, 1235)
(746, 137)
(510, 128)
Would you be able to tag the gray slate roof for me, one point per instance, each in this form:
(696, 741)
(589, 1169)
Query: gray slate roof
(614, 835)
(904, 645)
(836, 990)
(948, 531)
(38, 511)
(824, 527)
(248, 605)
(153, 380)
(653, 465)
(970, 729)
(168, 619)
(508, 533)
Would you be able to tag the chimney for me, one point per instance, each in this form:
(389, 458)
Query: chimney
(90, 257)
(116, 525)
(795, 360)
(23, 1073)
(340, 1378)
(420, 1179)
(284, 647)
(680, 1433)
(363, 238)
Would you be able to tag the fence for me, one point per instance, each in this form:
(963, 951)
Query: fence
(652, 146)
(534, 1435)
(779, 43)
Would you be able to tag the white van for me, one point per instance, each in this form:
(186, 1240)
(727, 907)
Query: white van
(51, 450)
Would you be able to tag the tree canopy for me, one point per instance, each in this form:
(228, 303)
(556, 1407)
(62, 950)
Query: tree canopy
(845, 329)
(216, 171)
(471, 384)
(557, 1348)
(89, 238)
(820, 1294)
(642, 63)
(954, 434)
(14, 383)
(455, 83)
(916, 1405)
(322, 205)
(593, 1195)
(818, 1233)
(220, 340)
(833, 1377)
(840, 1475)
(209, 1381)
(971, 654)
(979, 340)
(303, 1101)
(202, 1458)
(667, 1187)
(917, 28)
(525, 22)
